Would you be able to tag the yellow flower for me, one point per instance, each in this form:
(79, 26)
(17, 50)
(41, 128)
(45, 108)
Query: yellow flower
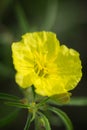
(40, 60)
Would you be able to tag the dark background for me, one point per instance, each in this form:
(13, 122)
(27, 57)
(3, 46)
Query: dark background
(68, 19)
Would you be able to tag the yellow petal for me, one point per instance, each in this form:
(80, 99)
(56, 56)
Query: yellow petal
(23, 81)
(48, 86)
(69, 67)
(44, 42)
(22, 58)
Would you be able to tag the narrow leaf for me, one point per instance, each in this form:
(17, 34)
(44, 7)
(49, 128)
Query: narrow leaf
(45, 121)
(63, 117)
(50, 15)
(20, 105)
(21, 17)
(4, 96)
(78, 101)
(41, 103)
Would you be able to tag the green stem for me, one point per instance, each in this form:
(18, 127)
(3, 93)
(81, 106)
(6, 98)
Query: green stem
(36, 123)
(29, 94)
(30, 118)
(28, 122)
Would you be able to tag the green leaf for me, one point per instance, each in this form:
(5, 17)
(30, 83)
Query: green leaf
(63, 117)
(12, 101)
(50, 14)
(23, 21)
(4, 96)
(45, 121)
(30, 118)
(19, 105)
(78, 101)
(9, 117)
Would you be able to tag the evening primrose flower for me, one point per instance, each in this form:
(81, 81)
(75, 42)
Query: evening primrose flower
(40, 60)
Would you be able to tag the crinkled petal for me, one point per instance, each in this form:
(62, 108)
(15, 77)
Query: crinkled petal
(42, 42)
(48, 86)
(22, 58)
(69, 67)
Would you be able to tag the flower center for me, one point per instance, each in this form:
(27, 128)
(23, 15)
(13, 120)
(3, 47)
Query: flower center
(40, 71)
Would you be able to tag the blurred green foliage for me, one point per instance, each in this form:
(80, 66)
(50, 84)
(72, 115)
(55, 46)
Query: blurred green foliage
(66, 18)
